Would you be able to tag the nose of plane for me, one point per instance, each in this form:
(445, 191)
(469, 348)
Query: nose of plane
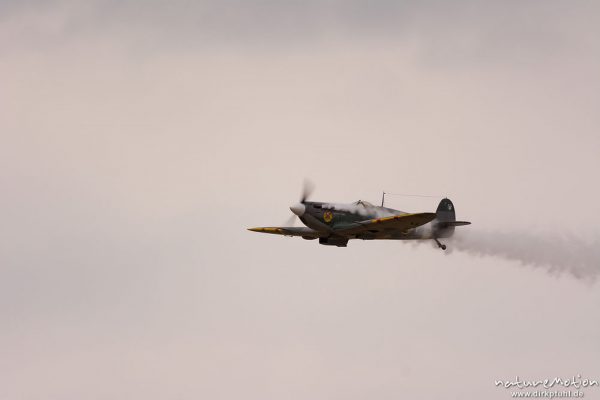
(298, 209)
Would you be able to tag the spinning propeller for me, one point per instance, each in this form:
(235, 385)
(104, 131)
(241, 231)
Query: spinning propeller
(299, 208)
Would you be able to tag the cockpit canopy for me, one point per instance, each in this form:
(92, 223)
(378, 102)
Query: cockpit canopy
(363, 203)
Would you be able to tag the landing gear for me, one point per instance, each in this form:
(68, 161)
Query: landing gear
(440, 245)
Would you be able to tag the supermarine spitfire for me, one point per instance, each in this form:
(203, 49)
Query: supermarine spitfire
(334, 224)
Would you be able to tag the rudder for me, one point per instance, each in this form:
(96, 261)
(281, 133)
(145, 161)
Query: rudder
(445, 211)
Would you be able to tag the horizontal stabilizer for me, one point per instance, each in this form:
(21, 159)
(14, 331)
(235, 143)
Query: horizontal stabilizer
(454, 223)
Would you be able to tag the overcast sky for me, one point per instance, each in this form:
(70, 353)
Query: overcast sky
(139, 140)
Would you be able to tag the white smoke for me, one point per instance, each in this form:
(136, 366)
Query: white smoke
(557, 254)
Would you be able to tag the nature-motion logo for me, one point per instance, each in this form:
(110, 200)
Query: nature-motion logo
(548, 388)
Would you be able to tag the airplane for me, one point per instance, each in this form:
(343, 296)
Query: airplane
(334, 224)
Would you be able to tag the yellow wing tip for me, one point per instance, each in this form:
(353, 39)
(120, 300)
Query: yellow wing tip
(266, 230)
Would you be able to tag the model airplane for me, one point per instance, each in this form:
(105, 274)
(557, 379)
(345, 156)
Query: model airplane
(334, 224)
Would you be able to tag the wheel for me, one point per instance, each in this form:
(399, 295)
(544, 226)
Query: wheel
(443, 247)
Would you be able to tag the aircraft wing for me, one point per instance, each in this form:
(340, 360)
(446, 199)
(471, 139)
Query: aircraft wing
(290, 231)
(401, 223)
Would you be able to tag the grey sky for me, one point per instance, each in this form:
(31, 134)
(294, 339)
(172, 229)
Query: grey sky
(140, 139)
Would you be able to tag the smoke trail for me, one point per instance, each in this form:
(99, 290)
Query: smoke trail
(557, 254)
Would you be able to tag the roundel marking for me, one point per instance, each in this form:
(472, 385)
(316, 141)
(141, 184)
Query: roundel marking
(449, 206)
(327, 216)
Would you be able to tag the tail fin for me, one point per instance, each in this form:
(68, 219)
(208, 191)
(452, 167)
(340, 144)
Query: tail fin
(445, 211)
(446, 219)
